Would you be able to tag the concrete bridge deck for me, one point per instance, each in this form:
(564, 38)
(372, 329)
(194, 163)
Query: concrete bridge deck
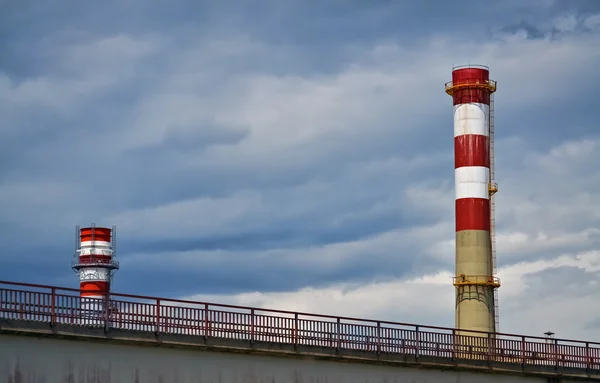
(54, 314)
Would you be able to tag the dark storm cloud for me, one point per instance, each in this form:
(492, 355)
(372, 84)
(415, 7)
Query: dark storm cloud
(581, 7)
(234, 144)
(531, 31)
(593, 324)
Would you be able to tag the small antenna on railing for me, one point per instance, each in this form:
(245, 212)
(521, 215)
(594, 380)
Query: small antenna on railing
(113, 240)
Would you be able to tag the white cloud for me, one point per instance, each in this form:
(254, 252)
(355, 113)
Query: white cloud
(75, 75)
(592, 22)
(549, 203)
(429, 300)
(412, 301)
(566, 23)
(115, 55)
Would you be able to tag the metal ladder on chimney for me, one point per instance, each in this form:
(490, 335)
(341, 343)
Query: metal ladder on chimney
(492, 191)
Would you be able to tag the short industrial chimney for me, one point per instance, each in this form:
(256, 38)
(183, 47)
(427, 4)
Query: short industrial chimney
(94, 262)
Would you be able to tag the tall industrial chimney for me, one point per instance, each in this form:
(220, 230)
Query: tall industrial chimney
(94, 262)
(475, 283)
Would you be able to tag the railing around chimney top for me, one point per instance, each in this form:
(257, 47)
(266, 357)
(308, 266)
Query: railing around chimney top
(173, 316)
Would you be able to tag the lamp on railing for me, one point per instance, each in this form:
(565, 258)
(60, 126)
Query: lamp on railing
(550, 341)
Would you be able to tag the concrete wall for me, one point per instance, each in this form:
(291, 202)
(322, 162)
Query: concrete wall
(27, 359)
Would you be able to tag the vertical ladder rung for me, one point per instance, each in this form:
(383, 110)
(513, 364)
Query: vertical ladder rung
(492, 210)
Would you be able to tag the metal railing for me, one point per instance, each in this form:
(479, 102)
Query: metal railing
(473, 66)
(476, 280)
(452, 87)
(173, 316)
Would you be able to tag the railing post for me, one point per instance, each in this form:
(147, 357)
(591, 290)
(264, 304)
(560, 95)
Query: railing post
(74, 309)
(587, 358)
(489, 348)
(158, 316)
(53, 307)
(453, 344)
(296, 330)
(378, 337)
(339, 339)
(523, 358)
(418, 345)
(556, 363)
(106, 312)
(251, 326)
(206, 321)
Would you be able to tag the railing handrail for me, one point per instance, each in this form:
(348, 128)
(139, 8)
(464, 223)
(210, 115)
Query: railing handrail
(417, 327)
(473, 66)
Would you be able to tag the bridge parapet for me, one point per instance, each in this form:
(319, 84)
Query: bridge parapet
(57, 306)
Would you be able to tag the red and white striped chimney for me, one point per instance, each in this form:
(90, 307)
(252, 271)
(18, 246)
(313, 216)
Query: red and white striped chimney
(471, 90)
(94, 262)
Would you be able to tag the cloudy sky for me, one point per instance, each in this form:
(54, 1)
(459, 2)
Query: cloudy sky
(299, 154)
